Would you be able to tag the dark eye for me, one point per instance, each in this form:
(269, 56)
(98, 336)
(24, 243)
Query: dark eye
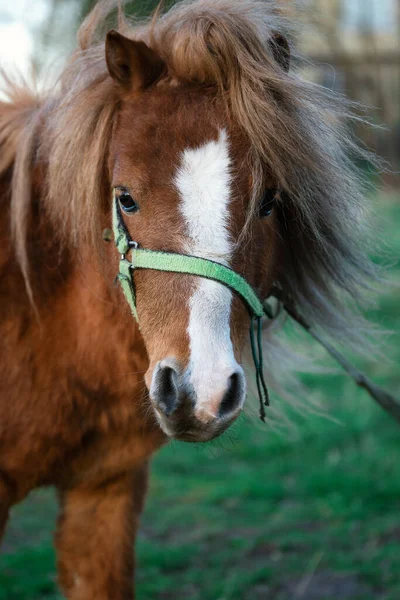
(267, 203)
(127, 203)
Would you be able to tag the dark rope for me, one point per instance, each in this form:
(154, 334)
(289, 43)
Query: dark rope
(256, 349)
(261, 360)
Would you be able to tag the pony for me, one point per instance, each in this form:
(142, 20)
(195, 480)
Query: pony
(213, 145)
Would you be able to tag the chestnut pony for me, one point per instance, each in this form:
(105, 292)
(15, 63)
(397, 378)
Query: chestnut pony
(195, 123)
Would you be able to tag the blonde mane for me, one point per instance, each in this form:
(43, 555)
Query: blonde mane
(297, 131)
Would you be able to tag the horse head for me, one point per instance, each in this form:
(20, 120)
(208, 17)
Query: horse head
(179, 171)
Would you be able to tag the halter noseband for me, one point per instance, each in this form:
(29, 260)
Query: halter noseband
(190, 265)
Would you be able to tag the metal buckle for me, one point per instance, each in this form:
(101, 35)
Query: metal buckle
(132, 245)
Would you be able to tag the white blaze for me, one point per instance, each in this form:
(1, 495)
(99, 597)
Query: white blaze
(204, 184)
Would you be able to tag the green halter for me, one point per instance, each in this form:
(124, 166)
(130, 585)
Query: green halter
(190, 265)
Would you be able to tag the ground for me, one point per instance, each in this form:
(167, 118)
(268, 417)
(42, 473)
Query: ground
(303, 511)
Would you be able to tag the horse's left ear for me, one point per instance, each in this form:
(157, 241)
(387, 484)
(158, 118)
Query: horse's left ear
(281, 51)
(132, 63)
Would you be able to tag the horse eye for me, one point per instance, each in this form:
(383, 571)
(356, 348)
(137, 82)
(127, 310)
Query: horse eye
(127, 203)
(267, 203)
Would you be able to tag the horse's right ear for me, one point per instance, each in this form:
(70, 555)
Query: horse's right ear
(132, 63)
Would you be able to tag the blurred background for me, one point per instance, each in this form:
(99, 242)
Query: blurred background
(308, 506)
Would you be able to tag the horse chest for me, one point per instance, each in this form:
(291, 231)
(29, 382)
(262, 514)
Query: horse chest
(121, 436)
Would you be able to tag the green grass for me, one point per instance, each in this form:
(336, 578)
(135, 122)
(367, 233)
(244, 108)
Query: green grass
(311, 512)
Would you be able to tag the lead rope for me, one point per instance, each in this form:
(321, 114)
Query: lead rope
(257, 352)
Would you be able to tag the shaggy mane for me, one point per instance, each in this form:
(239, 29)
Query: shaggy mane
(296, 130)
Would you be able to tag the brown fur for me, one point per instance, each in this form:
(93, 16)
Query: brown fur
(74, 409)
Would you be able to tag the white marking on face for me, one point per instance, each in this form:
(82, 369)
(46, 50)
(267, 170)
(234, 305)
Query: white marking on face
(204, 183)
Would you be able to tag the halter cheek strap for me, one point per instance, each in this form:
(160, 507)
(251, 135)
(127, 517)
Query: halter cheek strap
(196, 266)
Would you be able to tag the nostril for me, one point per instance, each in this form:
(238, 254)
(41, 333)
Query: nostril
(165, 390)
(233, 395)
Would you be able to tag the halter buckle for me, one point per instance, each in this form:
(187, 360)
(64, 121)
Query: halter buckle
(132, 246)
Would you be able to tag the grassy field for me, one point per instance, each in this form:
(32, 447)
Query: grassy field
(309, 513)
